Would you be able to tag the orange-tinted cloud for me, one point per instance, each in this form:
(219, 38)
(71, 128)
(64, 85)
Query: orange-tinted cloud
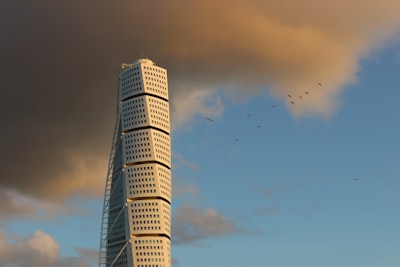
(60, 61)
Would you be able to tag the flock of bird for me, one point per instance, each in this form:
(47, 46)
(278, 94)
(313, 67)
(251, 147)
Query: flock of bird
(291, 99)
(300, 96)
(273, 106)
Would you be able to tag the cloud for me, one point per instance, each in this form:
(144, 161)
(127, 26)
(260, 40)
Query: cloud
(89, 254)
(56, 178)
(192, 225)
(174, 262)
(39, 249)
(198, 101)
(267, 210)
(265, 192)
(310, 211)
(182, 189)
(15, 206)
(180, 162)
(60, 62)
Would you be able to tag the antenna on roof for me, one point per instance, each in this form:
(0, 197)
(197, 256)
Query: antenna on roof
(124, 65)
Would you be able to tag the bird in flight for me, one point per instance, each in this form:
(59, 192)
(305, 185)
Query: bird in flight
(292, 102)
(289, 95)
(320, 84)
(300, 97)
(258, 126)
(248, 115)
(306, 92)
(209, 119)
(356, 179)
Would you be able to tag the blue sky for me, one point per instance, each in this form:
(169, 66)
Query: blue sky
(289, 186)
(264, 182)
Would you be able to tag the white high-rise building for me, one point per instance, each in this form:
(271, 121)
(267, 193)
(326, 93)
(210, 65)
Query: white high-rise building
(136, 223)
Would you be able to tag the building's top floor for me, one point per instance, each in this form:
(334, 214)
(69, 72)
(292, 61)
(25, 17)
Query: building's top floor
(144, 61)
(143, 76)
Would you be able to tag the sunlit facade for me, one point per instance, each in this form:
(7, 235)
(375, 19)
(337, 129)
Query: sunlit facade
(136, 223)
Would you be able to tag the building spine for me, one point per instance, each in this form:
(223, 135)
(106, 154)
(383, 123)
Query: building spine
(136, 219)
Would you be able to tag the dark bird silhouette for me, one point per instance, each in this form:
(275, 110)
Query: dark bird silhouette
(248, 115)
(356, 179)
(320, 84)
(258, 126)
(292, 103)
(306, 92)
(236, 139)
(289, 95)
(273, 106)
(300, 97)
(208, 119)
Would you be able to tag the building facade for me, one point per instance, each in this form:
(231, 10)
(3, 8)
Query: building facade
(136, 221)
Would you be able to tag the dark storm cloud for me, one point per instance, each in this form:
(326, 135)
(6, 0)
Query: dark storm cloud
(60, 61)
(57, 98)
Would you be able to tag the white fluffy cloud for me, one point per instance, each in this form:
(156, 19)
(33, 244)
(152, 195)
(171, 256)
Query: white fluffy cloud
(38, 250)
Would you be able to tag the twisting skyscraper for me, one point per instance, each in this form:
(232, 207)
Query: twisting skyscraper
(136, 221)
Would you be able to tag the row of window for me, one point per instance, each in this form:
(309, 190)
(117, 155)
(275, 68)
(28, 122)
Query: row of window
(140, 174)
(145, 210)
(146, 222)
(144, 146)
(130, 140)
(130, 105)
(150, 259)
(158, 70)
(150, 215)
(129, 81)
(129, 116)
(145, 156)
(138, 151)
(151, 265)
(159, 102)
(163, 151)
(156, 83)
(154, 119)
(149, 191)
(163, 113)
(146, 228)
(131, 91)
(128, 123)
(155, 90)
(161, 144)
(151, 253)
(147, 241)
(137, 145)
(161, 135)
(140, 133)
(142, 168)
(129, 86)
(161, 125)
(140, 179)
(142, 185)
